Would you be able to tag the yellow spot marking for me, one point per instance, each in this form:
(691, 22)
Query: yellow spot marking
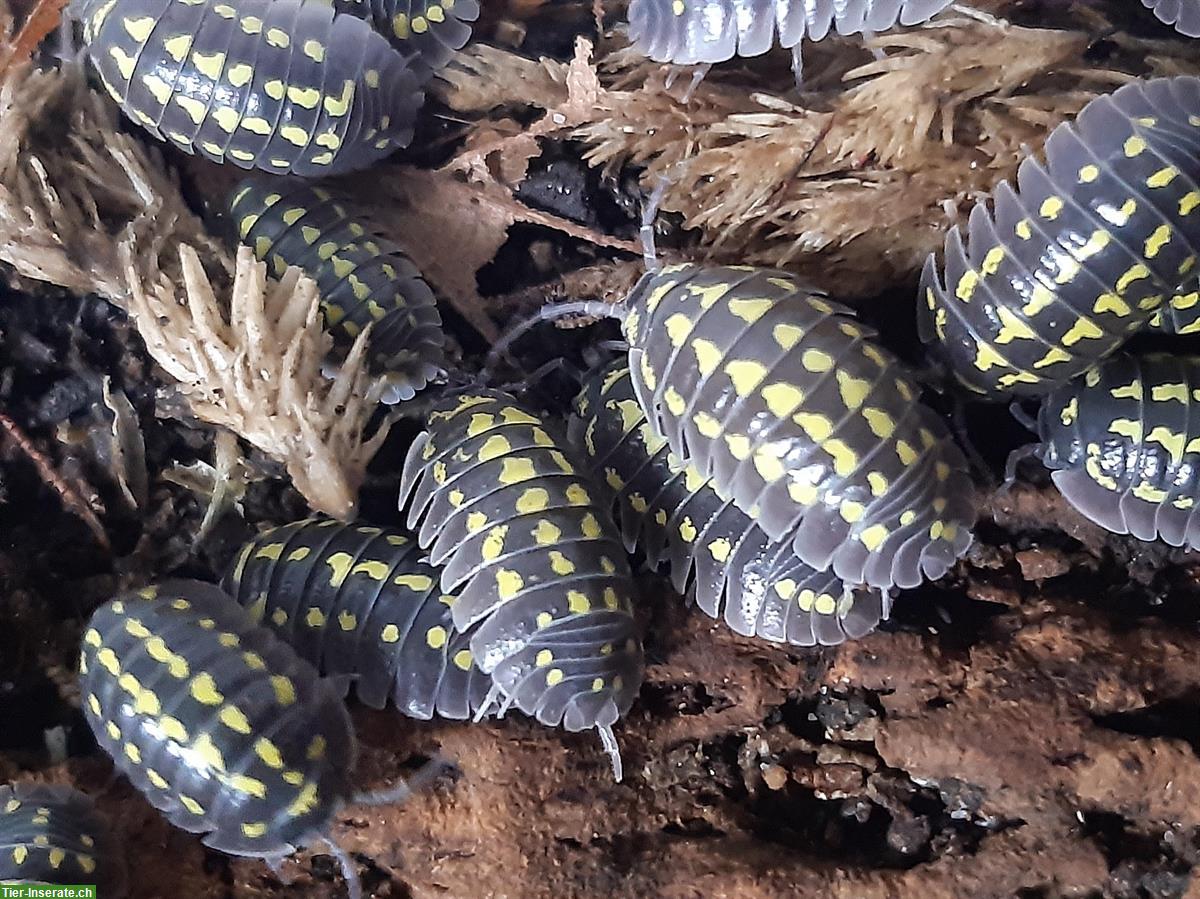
(678, 327)
(1050, 208)
(1134, 146)
(508, 583)
(816, 360)
(1189, 202)
(708, 356)
(1082, 329)
(1157, 240)
(204, 690)
(314, 50)
(513, 471)
(435, 637)
(853, 390)
(782, 399)
(285, 690)
(207, 752)
(255, 829)
(304, 802)
(818, 427)
(744, 374)
(554, 676)
(339, 567)
(750, 310)
(1088, 174)
(339, 106)
(787, 336)
(706, 424)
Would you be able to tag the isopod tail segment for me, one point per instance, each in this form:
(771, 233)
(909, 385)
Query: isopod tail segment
(538, 566)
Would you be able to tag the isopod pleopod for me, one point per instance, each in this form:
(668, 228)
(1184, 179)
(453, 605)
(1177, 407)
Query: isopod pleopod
(675, 516)
(536, 562)
(1087, 249)
(286, 86)
(358, 601)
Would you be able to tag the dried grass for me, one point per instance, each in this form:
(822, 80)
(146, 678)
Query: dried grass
(253, 365)
(90, 209)
(852, 186)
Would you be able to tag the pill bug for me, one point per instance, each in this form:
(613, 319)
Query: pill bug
(538, 566)
(219, 724)
(363, 278)
(1082, 253)
(357, 600)
(1183, 14)
(285, 86)
(785, 401)
(1123, 445)
(676, 517)
(428, 32)
(54, 834)
(691, 32)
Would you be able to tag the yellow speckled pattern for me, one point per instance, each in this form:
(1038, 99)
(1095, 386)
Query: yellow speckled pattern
(1123, 445)
(285, 86)
(220, 725)
(428, 30)
(534, 556)
(54, 834)
(364, 278)
(1090, 247)
(793, 410)
(357, 600)
(675, 516)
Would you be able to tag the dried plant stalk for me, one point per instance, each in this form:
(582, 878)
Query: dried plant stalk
(256, 370)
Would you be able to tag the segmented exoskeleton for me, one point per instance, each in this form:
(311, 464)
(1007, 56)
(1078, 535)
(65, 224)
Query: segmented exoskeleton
(532, 553)
(690, 32)
(53, 834)
(1123, 445)
(1089, 248)
(358, 601)
(425, 31)
(218, 723)
(363, 278)
(674, 515)
(1183, 14)
(787, 403)
(285, 86)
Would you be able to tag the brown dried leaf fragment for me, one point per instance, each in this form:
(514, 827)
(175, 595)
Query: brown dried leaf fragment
(253, 365)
